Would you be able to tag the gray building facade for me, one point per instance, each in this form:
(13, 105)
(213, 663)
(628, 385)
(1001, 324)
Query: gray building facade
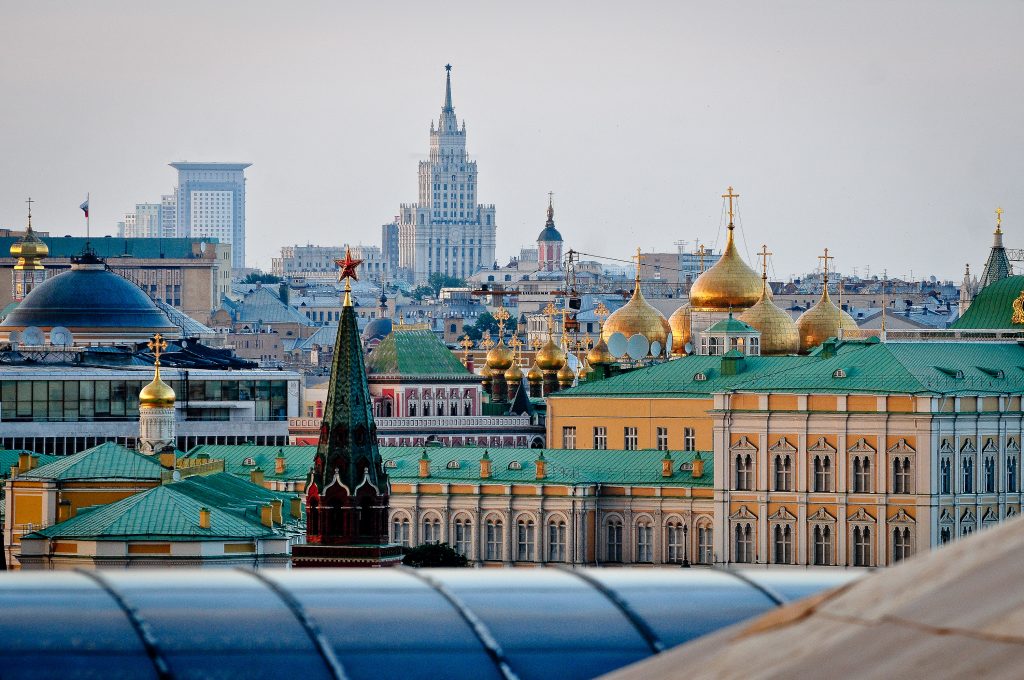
(210, 202)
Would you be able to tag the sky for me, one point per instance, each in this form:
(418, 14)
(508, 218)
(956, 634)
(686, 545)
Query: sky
(887, 131)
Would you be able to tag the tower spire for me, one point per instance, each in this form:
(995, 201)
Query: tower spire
(551, 209)
(448, 108)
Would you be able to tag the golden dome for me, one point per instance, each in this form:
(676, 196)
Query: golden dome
(566, 375)
(29, 249)
(679, 322)
(822, 321)
(500, 357)
(550, 357)
(156, 394)
(514, 374)
(779, 334)
(637, 317)
(599, 354)
(535, 374)
(728, 284)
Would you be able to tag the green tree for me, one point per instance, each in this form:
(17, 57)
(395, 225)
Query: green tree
(437, 281)
(484, 322)
(434, 555)
(261, 277)
(420, 292)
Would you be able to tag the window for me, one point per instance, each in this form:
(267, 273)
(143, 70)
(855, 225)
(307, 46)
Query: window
(822, 473)
(705, 546)
(431, 530)
(629, 438)
(901, 475)
(783, 544)
(556, 541)
(744, 472)
(400, 531)
(784, 473)
(1011, 474)
(613, 546)
(463, 536)
(662, 441)
(945, 476)
(744, 549)
(861, 474)
(754, 346)
(568, 437)
(968, 475)
(861, 546)
(525, 542)
(601, 438)
(494, 542)
(990, 474)
(945, 535)
(689, 439)
(822, 544)
(644, 542)
(901, 548)
(675, 542)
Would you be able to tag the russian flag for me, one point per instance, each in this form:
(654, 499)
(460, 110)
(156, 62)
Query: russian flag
(85, 207)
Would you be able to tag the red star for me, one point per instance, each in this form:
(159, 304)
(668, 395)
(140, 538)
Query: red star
(348, 266)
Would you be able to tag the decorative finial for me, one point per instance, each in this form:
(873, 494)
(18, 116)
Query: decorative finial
(448, 67)
(467, 345)
(549, 311)
(157, 346)
(551, 208)
(701, 252)
(730, 195)
(30, 202)
(825, 258)
(348, 271)
(638, 259)
(501, 315)
(764, 268)
(485, 340)
(601, 312)
(999, 220)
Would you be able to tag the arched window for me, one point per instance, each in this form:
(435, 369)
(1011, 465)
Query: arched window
(675, 542)
(861, 474)
(389, 407)
(782, 540)
(945, 535)
(901, 548)
(744, 472)
(861, 546)
(613, 544)
(990, 474)
(525, 540)
(556, 541)
(400, 530)
(705, 544)
(783, 472)
(1011, 474)
(463, 536)
(822, 544)
(494, 533)
(945, 476)
(901, 475)
(968, 474)
(431, 530)
(644, 541)
(744, 539)
(412, 407)
(822, 473)
(426, 406)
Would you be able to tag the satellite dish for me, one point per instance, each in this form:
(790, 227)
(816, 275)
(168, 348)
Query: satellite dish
(688, 348)
(669, 343)
(32, 336)
(656, 348)
(638, 347)
(61, 336)
(14, 337)
(617, 344)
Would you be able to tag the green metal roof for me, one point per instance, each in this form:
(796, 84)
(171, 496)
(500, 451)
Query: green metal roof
(414, 352)
(730, 326)
(9, 457)
(106, 461)
(114, 248)
(993, 306)
(242, 459)
(869, 367)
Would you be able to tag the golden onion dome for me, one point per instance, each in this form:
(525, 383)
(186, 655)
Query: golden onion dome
(514, 374)
(156, 394)
(550, 357)
(728, 284)
(822, 321)
(637, 317)
(599, 354)
(535, 375)
(679, 322)
(500, 357)
(29, 249)
(779, 334)
(566, 375)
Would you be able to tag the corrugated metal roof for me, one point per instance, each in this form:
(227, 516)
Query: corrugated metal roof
(106, 461)
(414, 352)
(9, 457)
(993, 307)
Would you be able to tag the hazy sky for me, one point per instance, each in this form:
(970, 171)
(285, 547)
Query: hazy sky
(887, 131)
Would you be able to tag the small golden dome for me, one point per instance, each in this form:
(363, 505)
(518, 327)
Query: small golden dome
(779, 334)
(550, 357)
(822, 321)
(679, 322)
(156, 394)
(514, 374)
(599, 354)
(728, 284)
(29, 249)
(535, 374)
(500, 357)
(566, 375)
(637, 317)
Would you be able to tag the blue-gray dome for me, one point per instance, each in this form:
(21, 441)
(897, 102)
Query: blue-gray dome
(378, 329)
(549, 233)
(90, 296)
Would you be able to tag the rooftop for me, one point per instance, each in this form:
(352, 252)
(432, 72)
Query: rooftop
(414, 353)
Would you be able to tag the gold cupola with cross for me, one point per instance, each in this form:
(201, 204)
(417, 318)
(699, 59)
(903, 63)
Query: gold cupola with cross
(730, 284)
(637, 317)
(157, 394)
(779, 334)
(29, 251)
(824, 320)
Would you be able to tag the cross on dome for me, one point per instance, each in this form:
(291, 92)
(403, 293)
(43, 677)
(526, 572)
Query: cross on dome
(157, 346)
(729, 194)
(825, 258)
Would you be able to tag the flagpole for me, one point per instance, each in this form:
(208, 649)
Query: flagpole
(88, 229)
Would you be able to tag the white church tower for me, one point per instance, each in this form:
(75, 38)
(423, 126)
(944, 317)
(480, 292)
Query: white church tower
(446, 231)
(156, 408)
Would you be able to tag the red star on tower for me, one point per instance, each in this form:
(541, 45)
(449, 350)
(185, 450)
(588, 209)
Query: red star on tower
(348, 266)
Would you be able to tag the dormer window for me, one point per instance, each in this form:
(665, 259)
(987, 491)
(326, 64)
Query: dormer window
(839, 373)
(453, 465)
(515, 465)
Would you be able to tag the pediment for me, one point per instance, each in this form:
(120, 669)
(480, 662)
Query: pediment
(946, 447)
(968, 447)
(782, 446)
(743, 444)
(990, 446)
(901, 447)
(822, 515)
(861, 515)
(901, 517)
(1011, 445)
(743, 513)
(945, 517)
(990, 516)
(968, 517)
(782, 515)
(861, 446)
(821, 446)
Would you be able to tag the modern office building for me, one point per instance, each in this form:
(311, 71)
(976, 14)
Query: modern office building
(210, 202)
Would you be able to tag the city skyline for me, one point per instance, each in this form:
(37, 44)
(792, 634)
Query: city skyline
(898, 126)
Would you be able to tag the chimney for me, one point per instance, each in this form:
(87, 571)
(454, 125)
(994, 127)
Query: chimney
(168, 458)
(424, 464)
(276, 504)
(485, 466)
(267, 515)
(256, 476)
(542, 467)
(15, 469)
(280, 463)
(63, 510)
(204, 518)
(25, 461)
(666, 465)
(296, 509)
(698, 467)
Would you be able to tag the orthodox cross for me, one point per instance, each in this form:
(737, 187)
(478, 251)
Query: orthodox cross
(550, 312)
(601, 312)
(999, 217)
(467, 345)
(764, 260)
(157, 346)
(536, 343)
(30, 202)
(516, 344)
(638, 258)
(825, 258)
(701, 253)
(501, 315)
(730, 195)
(485, 341)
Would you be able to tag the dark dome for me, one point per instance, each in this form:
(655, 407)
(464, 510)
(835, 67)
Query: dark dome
(378, 329)
(549, 233)
(89, 296)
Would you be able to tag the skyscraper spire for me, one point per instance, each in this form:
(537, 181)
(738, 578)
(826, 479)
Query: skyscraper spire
(448, 108)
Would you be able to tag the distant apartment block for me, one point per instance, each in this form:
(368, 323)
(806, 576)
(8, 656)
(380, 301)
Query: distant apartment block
(210, 202)
(317, 262)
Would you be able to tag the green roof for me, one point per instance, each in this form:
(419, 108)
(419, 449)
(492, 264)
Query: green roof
(9, 457)
(242, 459)
(114, 248)
(106, 461)
(730, 326)
(858, 366)
(414, 352)
(993, 306)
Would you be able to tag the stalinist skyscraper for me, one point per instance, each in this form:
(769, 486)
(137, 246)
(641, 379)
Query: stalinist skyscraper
(446, 231)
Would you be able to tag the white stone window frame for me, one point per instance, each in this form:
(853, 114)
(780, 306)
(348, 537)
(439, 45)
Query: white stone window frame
(902, 522)
(825, 451)
(743, 518)
(906, 453)
(742, 450)
(823, 520)
(863, 520)
(782, 450)
(861, 449)
(782, 519)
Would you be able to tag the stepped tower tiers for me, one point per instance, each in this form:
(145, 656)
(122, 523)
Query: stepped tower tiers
(730, 285)
(779, 334)
(824, 320)
(446, 231)
(997, 267)
(347, 491)
(156, 408)
(549, 243)
(28, 270)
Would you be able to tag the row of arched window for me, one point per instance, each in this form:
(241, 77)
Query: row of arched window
(439, 403)
(821, 550)
(969, 483)
(676, 541)
(821, 475)
(528, 546)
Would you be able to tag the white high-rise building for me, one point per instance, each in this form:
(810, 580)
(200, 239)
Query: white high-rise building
(446, 231)
(210, 202)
